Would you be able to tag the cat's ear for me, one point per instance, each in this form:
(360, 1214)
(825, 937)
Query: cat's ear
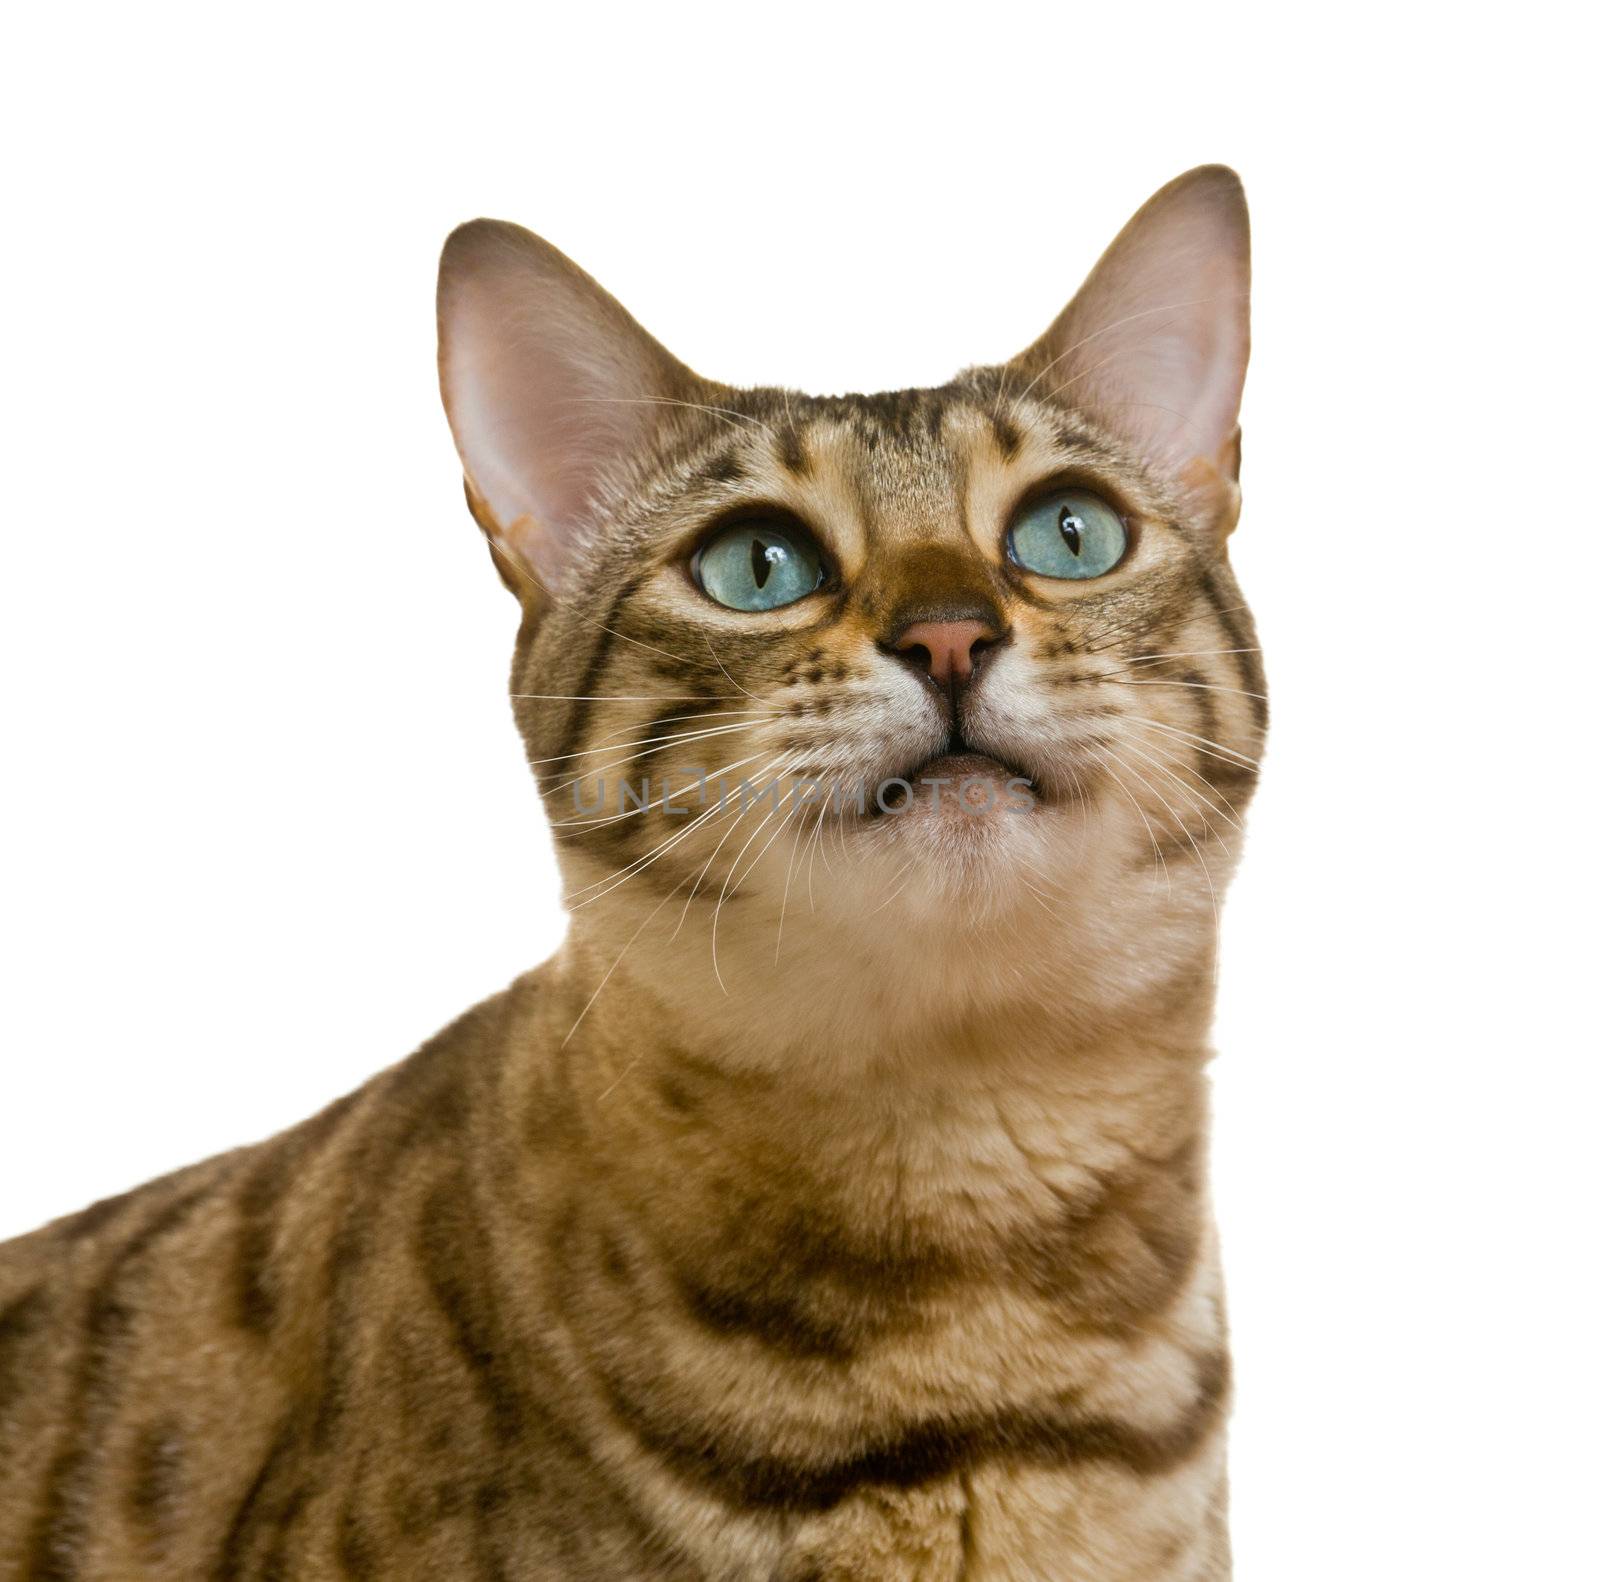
(550, 386)
(1155, 343)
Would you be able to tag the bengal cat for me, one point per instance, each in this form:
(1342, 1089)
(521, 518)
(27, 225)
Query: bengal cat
(833, 1204)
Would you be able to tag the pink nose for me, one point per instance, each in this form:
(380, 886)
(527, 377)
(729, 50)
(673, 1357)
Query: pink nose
(944, 648)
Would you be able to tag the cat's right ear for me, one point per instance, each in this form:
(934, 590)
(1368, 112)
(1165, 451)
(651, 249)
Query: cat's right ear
(551, 388)
(1155, 343)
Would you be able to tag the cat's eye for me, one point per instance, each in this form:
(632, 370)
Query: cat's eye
(1068, 533)
(759, 565)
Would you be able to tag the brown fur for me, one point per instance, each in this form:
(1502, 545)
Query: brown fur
(832, 1205)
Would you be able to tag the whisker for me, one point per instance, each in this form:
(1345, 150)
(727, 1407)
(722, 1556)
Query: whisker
(614, 818)
(667, 795)
(676, 719)
(794, 807)
(1191, 653)
(1184, 829)
(1106, 329)
(770, 765)
(811, 863)
(1043, 878)
(501, 548)
(1164, 767)
(1223, 753)
(607, 978)
(694, 406)
(733, 868)
(720, 809)
(1203, 686)
(903, 876)
(615, 881)
(630, 697)
(1189, 801)
(788, 879)
(1155, 845)
(724, 669)
(1103, 637)
(643, 741)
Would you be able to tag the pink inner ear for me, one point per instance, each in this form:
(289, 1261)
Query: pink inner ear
(550, 387)
(1156, 342)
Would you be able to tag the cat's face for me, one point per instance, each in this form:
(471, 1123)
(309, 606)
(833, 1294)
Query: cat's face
(930, 665)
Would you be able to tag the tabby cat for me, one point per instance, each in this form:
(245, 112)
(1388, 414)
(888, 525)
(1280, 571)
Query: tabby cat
(833, 1204)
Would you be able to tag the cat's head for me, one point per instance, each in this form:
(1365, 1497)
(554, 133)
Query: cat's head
(960, 671)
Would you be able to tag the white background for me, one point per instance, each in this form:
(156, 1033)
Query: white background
(266, 823)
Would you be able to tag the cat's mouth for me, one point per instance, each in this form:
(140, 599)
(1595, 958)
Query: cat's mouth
(966, 762)
(960, 776)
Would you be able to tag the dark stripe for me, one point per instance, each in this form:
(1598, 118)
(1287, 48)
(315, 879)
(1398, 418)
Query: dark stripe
(1110, 1256)
(1247, 665)
(1115, 1256)
(1070, 438)
(22, 1320)
(488, 1505)
(931, 1450)
(1006, 433)
(256, 1510)
(578, 719)
(1180, 848)
(1200, 693)
(792, 450)
(83, 1224)
(887, 414)
(455, 1263)
(449, 1247)
(724, 468)
(63, 1528)
(282, 1160)
(286, 1515)
(627, 836)
(155, 1484)
(780, 1320)
(347, 1256)
(969, 1530)
(357, 1557)
(422, 1100)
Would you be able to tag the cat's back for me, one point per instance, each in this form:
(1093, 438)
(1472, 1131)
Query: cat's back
(106, 1326)
(169, 1356)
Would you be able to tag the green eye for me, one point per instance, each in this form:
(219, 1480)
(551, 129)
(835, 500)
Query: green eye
(1070, 533)
(759, 566)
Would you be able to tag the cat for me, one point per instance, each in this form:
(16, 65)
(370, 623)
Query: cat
(833, 1204)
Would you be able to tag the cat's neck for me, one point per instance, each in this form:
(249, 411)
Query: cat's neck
(1005, 994)
(965, 1119)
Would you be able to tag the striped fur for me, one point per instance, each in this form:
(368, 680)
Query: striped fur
(833, 1205)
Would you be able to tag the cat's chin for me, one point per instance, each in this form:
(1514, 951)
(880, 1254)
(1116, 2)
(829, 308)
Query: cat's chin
(965, 809)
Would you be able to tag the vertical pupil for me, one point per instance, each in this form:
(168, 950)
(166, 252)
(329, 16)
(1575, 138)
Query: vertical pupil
(1072, 530)
(764, 558)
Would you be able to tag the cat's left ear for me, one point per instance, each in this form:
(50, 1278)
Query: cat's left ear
(1155, 343)
(551, 388)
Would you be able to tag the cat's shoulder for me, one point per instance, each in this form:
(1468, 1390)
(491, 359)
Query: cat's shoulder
(421, 1094)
